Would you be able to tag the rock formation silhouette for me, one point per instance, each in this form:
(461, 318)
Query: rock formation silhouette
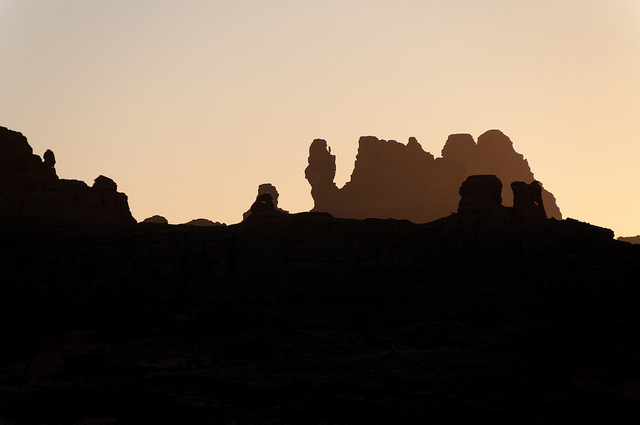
(392, 180)
(481, 203)
(265, 203)
(203, 222)
(156, 219)
(631, 239)
(527, 202)
(30, 187)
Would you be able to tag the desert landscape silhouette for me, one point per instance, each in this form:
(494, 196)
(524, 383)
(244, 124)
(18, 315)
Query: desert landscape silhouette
(190, 107)
(349, 313)
(319, 212)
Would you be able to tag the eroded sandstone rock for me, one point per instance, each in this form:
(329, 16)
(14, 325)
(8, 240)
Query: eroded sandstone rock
(494, 154)
(265, 203)
(393, 180)
(528, 205)
(481, 201)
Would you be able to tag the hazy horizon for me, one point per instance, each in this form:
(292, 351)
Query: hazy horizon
(190, 106)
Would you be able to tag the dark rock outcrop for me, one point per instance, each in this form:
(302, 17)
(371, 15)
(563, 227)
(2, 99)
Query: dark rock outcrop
(494, 154)
(392, 180)
(104, 184)
(156, 219)
(320, 173)
(528, 205)
(203, 222)
(481, 205)
(266, 202)
(49, 161)
(30, 188)
(630, 239)
(263, 204)
(481, 201)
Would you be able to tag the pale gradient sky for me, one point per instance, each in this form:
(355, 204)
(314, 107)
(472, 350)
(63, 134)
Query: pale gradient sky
(190, 105)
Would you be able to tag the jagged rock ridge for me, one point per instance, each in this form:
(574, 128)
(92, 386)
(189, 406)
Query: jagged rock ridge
(393, 180)
(30, 187)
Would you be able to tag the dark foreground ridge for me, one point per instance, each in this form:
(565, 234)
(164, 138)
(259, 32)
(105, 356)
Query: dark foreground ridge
(305, 318)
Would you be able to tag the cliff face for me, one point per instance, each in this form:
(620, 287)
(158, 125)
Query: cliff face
(30, 187)
(392, 180)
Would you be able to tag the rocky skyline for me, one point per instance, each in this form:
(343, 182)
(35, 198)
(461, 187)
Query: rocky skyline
(210, 99)
(493, 313)
(392, 180)
(389, 180)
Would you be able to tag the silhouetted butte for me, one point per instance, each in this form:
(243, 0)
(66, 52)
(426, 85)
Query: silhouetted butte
(392, 180)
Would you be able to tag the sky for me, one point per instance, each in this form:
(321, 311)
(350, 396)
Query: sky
(190, 105)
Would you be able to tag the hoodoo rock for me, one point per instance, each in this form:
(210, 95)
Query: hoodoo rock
(393, 180)
(30, 188)
(320, 173)
(528, 205)
(49, 162)
(481, 201)
(494, 154)
(265, 203)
